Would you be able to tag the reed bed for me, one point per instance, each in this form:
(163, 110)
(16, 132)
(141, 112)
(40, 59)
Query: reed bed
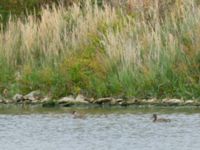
(141, 49)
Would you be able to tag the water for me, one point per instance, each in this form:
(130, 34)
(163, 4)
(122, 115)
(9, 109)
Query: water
(102, 129)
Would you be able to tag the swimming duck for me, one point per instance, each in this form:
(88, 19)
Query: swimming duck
(77, 115)
(156, 119)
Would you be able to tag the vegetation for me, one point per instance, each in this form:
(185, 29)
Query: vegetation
(142, 49)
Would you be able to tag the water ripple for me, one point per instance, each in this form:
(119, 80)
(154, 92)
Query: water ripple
(99, 132)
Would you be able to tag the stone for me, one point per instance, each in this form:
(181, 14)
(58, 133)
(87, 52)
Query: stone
(188, 102)
(46, 99)
(34, 102)
(108, 100)
(33, 96)
(173, 101)
(119, 100)
(18, 98)
(116, 101)
(6, 101)
(132, 101)
(143, 101)
(70, 100)
(151, 101)
(82, 98)
(91, 100)
(103, 100)
(66, 99)
(1, 101)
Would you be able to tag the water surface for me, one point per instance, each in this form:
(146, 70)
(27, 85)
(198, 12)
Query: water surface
(102, 129)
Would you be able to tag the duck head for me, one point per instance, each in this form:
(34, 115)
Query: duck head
(73, 112)
(154, 117)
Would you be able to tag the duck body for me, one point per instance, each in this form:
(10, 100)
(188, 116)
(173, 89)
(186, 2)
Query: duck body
(156, 119)
(77, 115)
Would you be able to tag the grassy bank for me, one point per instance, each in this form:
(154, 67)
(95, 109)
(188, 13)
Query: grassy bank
(146, 49)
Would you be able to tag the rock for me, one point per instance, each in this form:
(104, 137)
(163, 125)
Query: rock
(189, 102)
(133, 101)
(116, 101)
(34, 102)
(6, 101)
(90, 100)
(46, 99)
(103, 100)
(173, 101)
(18, 98)
(108, 100)
(82, 98)
(151, 101)
(143, 101)
(1, 101)
(68, 101)
(33, 96)
(119, 100)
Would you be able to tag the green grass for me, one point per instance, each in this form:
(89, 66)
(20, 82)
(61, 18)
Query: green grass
(105, 51)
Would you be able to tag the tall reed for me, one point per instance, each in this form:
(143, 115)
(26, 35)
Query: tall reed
(143, 49)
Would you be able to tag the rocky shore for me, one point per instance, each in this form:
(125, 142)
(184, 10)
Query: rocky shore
(36, 97)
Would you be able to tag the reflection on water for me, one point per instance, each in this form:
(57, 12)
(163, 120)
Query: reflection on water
(103, 129)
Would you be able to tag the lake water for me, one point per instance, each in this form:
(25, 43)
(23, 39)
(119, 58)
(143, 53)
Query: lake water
(131, 128)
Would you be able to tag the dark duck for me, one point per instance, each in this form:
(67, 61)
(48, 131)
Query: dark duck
(156, 119)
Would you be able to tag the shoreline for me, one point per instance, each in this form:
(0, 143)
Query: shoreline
(36, 98)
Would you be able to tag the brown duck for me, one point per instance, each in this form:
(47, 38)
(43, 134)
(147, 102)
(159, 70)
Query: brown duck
(156, 119)
(77, 115)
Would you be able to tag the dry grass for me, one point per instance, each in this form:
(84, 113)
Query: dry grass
(148, 46)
